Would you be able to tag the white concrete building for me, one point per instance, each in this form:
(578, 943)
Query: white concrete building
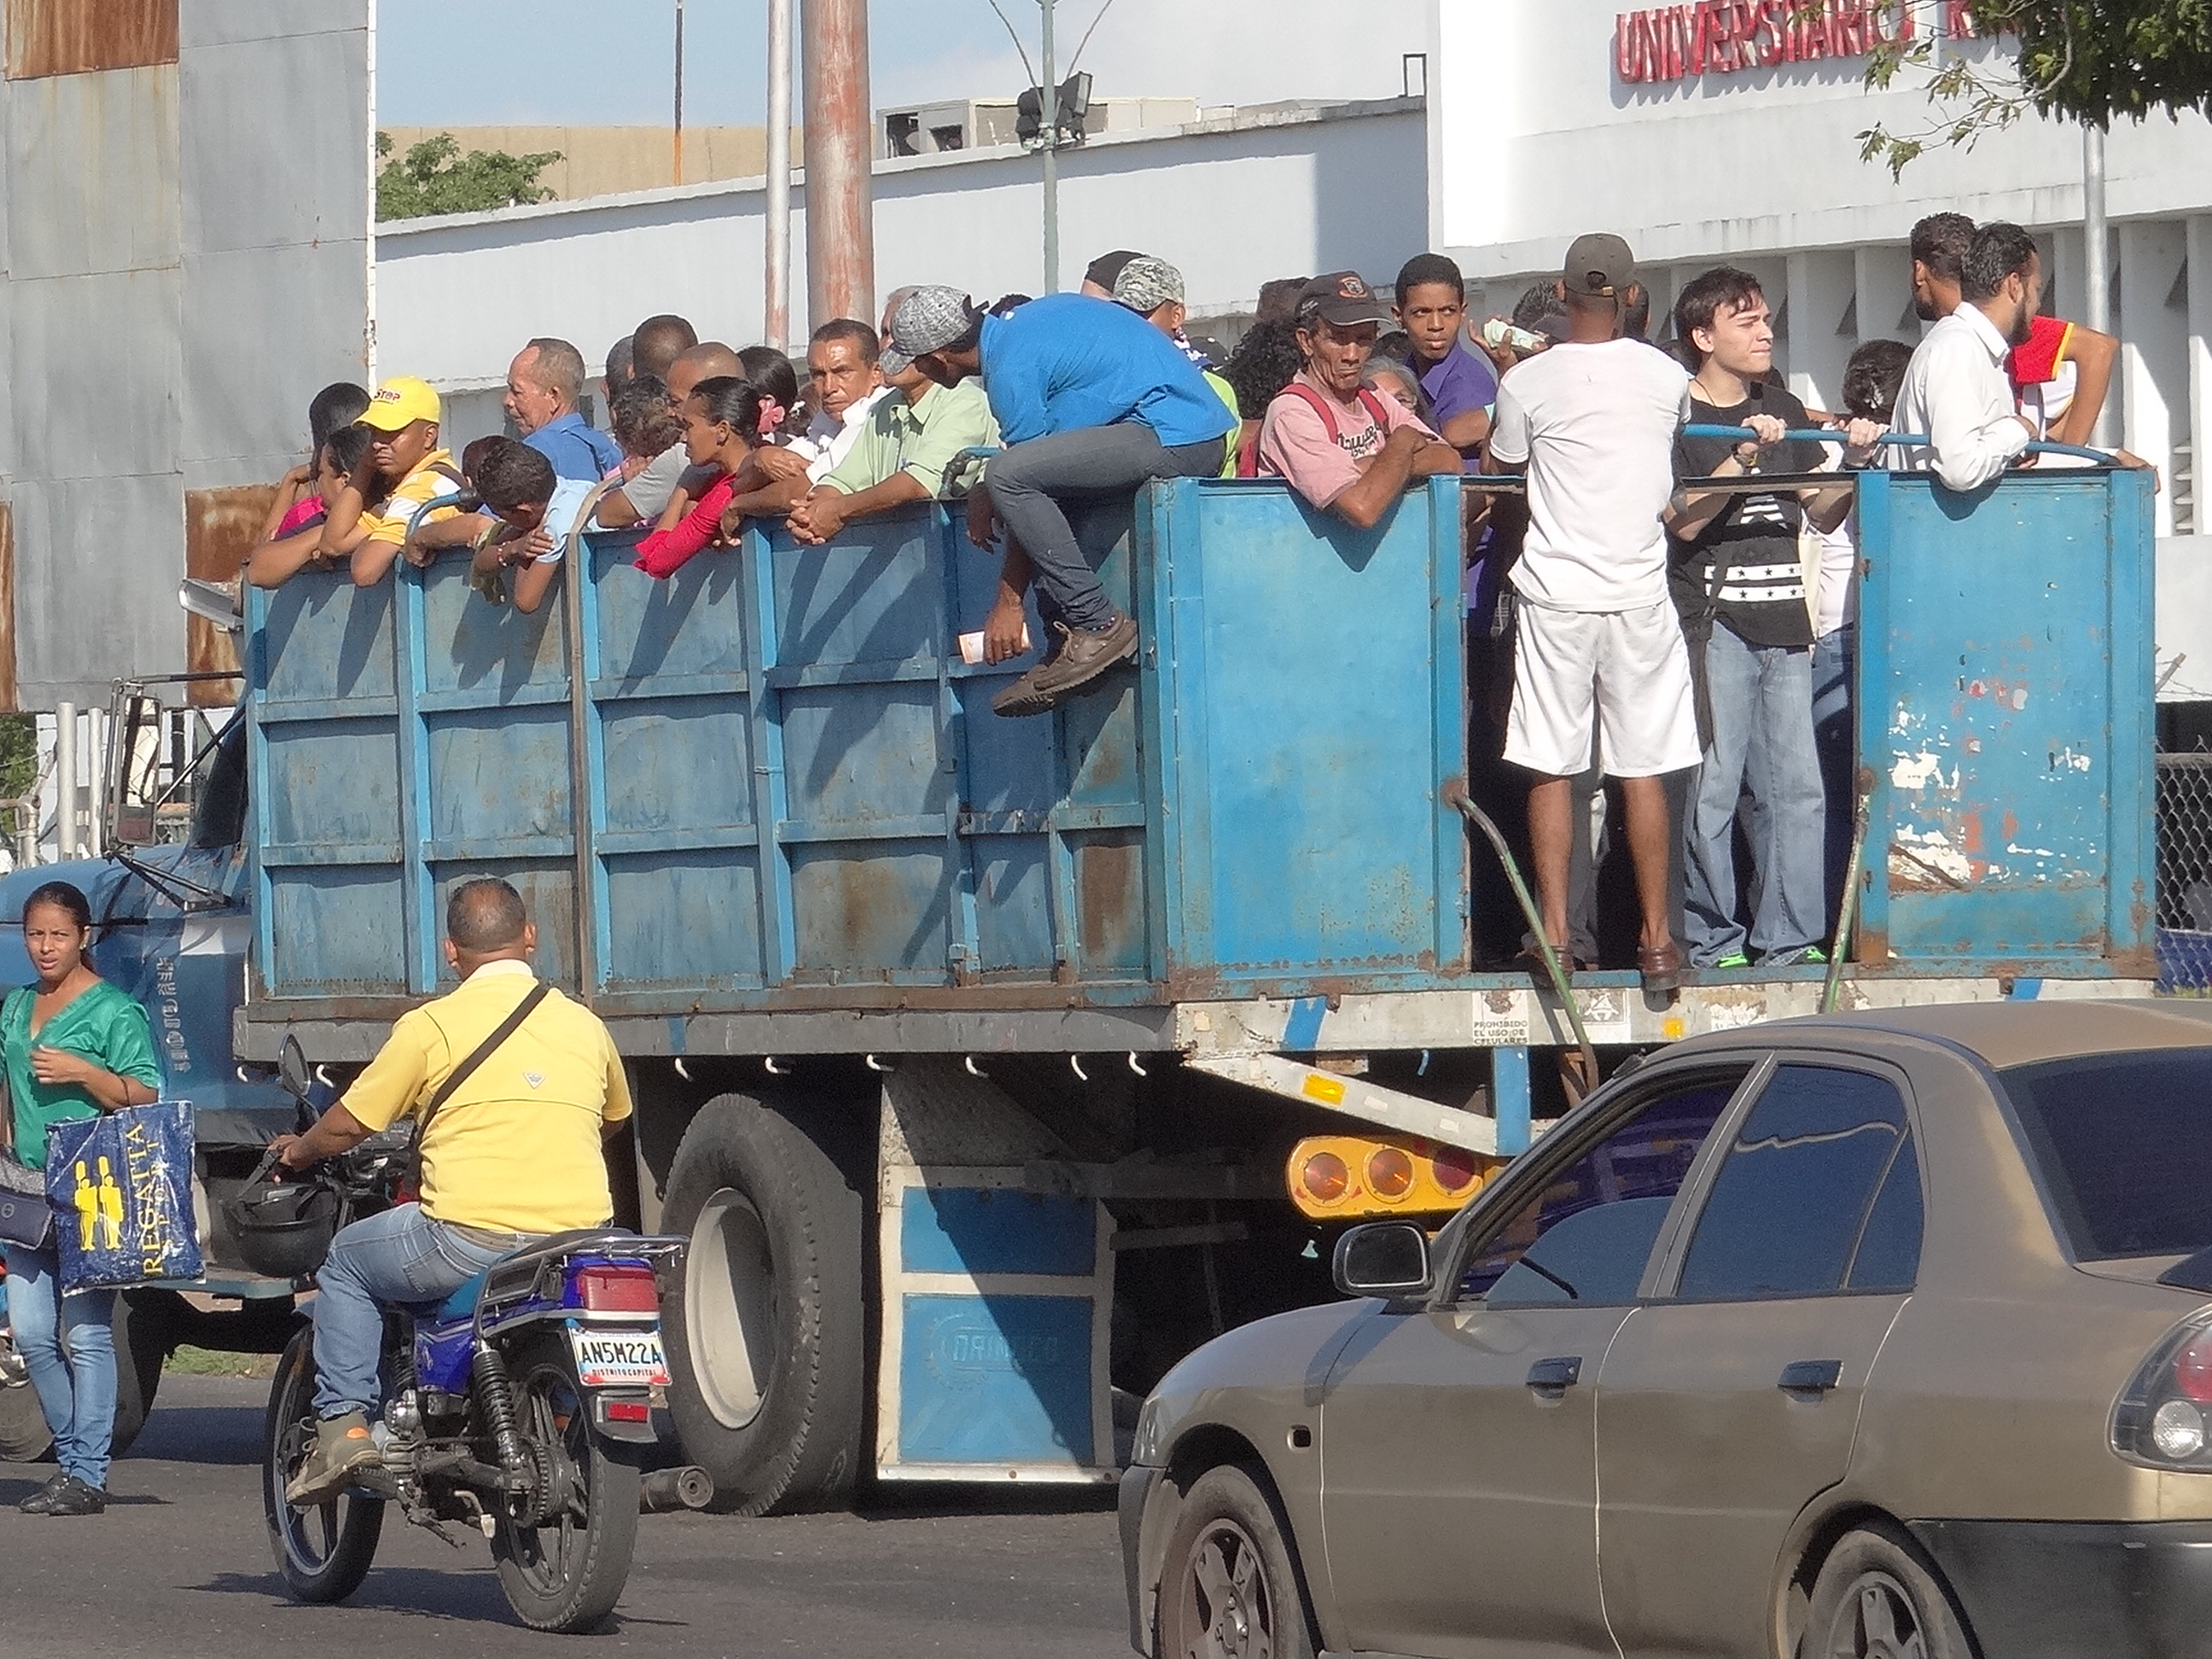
(1543, 118)
(1759, 167)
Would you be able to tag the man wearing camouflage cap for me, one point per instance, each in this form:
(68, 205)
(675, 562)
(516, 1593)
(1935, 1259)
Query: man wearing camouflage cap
(1091, 400)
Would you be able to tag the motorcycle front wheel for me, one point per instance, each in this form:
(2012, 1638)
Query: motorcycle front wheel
(564, 1566)
(324, 1551)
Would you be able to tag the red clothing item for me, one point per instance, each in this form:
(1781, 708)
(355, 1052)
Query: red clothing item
(664, 552)
(2038, 359)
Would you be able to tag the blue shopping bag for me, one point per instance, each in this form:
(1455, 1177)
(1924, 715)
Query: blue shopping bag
(121, 1185)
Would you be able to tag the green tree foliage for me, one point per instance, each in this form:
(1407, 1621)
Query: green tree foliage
(435, 177)
(18, 755)
(2083, 60)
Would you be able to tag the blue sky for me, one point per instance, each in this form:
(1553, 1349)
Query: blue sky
(485, 62)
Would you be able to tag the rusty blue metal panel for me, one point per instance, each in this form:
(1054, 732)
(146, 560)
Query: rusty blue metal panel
(1310, 675)
(2004, 720)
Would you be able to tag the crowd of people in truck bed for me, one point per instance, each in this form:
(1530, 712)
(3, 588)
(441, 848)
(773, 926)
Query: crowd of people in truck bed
(1638, 611)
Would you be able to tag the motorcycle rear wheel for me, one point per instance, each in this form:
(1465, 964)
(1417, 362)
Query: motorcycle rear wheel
(324, 1551)
(566, 1574)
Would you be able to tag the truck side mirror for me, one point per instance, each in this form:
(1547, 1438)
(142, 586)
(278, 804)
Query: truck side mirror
(1384, 1258)
(292, 1067)
(138, 730)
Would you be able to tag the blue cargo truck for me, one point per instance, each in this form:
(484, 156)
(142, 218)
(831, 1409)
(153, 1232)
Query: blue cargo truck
(991, 1065)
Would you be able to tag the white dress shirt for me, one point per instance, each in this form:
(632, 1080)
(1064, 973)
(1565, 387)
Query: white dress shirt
(832, 438)
(1957, 394)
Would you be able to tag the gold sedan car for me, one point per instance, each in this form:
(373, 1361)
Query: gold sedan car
(1887, 1336)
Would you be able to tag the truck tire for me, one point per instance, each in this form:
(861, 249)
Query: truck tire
(142, 1343)
(767, 1338)
(142, 1346)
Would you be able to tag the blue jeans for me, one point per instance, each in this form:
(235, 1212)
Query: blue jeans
(1761, 741)
(1034, 485)
(76, 1391)
(401, 1258)
(1835, 672)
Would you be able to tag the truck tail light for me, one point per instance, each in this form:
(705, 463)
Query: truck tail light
(618, 1290)
(1454, 1170)
(1343, 1177)
(1324, 1177)
(2164, 1417)
(1389, 1174)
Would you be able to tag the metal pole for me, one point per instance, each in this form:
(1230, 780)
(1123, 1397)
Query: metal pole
(841, 242)
(1050, 109)
(64, 781)
(675, 139)
(777, 320)
(2096, 256)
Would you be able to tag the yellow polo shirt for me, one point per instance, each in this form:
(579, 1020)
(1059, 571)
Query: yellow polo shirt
(517, 1149)
(387, 520)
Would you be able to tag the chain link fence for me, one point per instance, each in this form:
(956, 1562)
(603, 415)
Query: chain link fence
(2185, 871)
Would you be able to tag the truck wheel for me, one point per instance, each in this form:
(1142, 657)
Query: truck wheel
(767, 1359)
(140, 1346)
(142, 1328)
(24, 1435)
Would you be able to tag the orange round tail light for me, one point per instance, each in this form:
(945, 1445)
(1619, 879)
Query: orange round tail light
(1389, 1173)
(1325, 1177)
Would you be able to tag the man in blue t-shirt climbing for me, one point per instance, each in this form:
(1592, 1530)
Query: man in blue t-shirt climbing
(1091, 400)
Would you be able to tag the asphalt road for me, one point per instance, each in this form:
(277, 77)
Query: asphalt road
(180, 1567)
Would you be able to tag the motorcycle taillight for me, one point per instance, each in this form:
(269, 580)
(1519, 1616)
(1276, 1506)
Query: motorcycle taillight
(627, 1289)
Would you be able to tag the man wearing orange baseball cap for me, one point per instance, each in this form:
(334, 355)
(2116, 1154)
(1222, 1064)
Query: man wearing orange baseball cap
(402, 474)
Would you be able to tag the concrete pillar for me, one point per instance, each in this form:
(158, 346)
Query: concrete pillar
(1883, 279)
(2188, 494)
(2154, 348)
(1822, 288)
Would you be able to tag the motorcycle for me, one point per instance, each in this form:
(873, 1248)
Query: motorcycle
(521, 1405)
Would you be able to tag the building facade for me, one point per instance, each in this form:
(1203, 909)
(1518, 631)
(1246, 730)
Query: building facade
(1724, 131)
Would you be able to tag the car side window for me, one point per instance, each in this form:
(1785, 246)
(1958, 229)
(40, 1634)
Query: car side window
(1820, 1192)
(1587, 1236)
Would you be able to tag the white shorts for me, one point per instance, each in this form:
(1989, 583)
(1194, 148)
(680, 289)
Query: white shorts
(1629, 666)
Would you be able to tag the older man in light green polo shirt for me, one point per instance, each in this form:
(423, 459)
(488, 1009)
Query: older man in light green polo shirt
(902, 450)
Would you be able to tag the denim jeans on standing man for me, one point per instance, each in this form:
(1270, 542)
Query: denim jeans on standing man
(1030, 483)
(400, 1258)
(75, 1390)
(1835, 671)
(1761, 741)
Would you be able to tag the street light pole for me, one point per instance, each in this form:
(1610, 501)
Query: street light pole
(676, 139)
(776, 319)
(1049, 97)
(2096, 254)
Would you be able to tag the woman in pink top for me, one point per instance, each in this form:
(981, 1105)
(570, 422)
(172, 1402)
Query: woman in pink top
(723, 419)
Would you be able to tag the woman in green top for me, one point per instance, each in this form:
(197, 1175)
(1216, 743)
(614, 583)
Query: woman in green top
(73, 1046)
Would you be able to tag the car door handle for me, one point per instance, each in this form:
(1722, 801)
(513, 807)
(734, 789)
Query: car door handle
(1813, 1377)
(1554, 1377)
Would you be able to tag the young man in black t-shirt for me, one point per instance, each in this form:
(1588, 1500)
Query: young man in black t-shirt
(1737, 577)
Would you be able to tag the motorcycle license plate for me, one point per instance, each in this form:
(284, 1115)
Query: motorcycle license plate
(618, 1359)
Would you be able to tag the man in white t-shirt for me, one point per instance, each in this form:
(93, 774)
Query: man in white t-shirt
(1592, 421)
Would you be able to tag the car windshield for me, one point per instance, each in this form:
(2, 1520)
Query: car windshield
(2122, 1145)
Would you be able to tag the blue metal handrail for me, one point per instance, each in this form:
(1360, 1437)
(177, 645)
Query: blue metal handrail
(1829, 435)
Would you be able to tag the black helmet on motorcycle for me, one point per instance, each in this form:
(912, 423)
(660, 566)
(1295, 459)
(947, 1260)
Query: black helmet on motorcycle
(283, 1230)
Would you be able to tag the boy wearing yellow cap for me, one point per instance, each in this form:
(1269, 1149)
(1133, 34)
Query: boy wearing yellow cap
(403, 471)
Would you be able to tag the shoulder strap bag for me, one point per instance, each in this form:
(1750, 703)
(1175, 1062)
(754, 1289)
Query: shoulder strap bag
(26, 1216)
(461, 1074)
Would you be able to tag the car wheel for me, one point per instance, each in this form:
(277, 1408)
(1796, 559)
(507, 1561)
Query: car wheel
(1228, 1589)
(1878, 1597)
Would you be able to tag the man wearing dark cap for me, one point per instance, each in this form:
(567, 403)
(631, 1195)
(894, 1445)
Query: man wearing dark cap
(1102, 272)
(1346, 449)
(1592, 422)
(1091, 400)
